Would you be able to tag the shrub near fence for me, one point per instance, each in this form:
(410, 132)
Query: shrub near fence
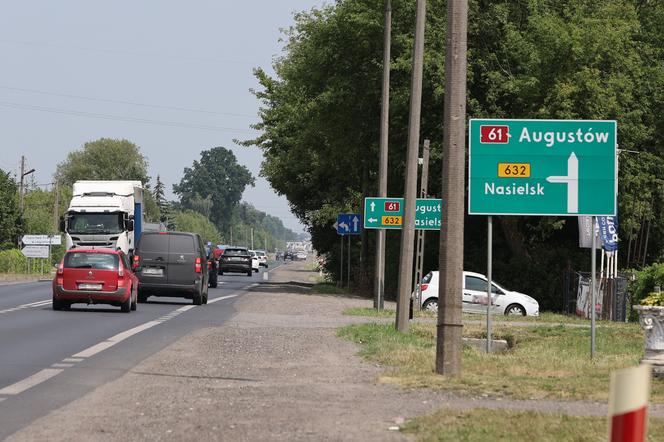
(644, 283)
(12, 261)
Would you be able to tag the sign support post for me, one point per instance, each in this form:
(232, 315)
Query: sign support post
(593, 299)
(341, 273)
(348, 272)
(489, 260)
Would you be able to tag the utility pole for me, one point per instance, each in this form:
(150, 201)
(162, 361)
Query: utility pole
(410, 188)
(449, 345)
(419, 261)
(56, 207)
(379, 277)
(252, 238)
(20, 188)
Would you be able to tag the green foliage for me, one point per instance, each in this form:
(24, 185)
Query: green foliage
(9, 216)
(12, 261)
(571, 59)
(214, 185)
(104, 159)
(654, 299)
(645, 281)
(269, 231)
(190, 221)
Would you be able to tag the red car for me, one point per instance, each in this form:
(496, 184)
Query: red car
(95, 276)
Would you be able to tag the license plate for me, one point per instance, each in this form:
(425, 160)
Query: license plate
(237, 259)
(153, 272)
(89, 286)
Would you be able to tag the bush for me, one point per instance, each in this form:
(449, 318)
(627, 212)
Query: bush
(12, 261)
(645, 282)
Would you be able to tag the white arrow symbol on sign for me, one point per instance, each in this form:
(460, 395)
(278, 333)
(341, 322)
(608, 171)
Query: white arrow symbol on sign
(373, 206)
(355, 221)
(572, 181)
(372, 220)
(344, 226)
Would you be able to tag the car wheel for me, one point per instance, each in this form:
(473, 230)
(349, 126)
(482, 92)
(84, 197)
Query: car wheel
(57, 305)
(133, 303)
(142, 297)
(125, 307)
(249, 273)
(221, 272)
(255, 270)
(213, 281)
(430, 305)
(515, 309)
(198, 297)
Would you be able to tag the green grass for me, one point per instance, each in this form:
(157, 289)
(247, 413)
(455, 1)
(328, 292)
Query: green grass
(328, 288)
(481, 425)
(547, 361)
(385, 313)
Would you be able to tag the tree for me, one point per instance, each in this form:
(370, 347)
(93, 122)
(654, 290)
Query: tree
(189, 221)
(217, 178)
(104, 159)
(576, 59)
(165, 208)
(9, 216)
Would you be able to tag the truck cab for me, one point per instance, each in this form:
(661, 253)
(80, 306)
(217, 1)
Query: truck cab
(106, 214)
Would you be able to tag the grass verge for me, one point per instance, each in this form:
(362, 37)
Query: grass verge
(328, 288)
(545, 361)
(385, 313)
(482, 424)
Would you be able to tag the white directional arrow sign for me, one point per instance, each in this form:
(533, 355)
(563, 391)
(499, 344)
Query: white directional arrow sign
(355, 221)
(41, 240)
(349, 224)
(35, 251)
(344, 226)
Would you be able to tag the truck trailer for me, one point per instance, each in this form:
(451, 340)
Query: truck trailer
(105, 214)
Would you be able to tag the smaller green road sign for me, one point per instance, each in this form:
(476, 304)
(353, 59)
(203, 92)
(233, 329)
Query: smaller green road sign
(387, 213)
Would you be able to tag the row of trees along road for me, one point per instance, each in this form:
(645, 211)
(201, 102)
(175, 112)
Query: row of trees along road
(569, 59)
(210, 194)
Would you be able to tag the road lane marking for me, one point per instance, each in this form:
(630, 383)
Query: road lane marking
(2, 399)
(57, 368)
(30, 305)
(27, 383)
(221, 298)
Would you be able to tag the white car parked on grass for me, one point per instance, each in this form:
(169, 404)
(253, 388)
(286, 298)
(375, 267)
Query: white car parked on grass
(474, 296)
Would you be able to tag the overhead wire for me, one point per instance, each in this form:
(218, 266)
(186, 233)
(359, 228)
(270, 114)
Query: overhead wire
(123, 118)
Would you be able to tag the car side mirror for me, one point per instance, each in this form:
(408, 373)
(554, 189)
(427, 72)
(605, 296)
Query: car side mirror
(129, 225)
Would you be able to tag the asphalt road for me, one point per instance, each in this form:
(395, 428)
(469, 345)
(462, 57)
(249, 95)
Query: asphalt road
(49, 358)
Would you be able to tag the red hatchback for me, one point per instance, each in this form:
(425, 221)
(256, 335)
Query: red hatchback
(95, 276)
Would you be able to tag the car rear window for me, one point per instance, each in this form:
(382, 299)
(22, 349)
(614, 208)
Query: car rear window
(427, 278)
(182, 243)
(99, 261)
(236, 252)
(154, 242)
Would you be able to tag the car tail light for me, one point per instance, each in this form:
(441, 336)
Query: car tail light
(61, 268)
(120, 272)
(424, 287)
(135, 262)
(197, 265)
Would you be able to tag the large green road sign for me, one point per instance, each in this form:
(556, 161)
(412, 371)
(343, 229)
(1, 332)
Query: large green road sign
(542, 167)
(387, 213)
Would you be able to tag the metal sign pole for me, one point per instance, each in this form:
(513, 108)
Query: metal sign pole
(341, 272)
(348, 272)
(593, 300)
(488, 285)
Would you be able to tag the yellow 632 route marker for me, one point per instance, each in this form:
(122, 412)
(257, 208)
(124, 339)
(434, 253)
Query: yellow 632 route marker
(514, 170)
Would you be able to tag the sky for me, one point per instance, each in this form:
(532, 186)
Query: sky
(173, 77)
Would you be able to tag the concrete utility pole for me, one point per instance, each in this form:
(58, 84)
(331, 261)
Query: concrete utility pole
(424, 186)
(379, 281)
(449, 345)
(410, 188)
(21, 195)
(56, 207)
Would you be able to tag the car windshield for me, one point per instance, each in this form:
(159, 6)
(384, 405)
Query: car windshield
(236, 252)
(98, 261)
(91, 223)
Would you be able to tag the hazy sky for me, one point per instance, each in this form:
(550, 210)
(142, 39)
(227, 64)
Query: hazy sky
(171, 76)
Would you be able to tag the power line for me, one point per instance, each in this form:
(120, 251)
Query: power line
(132, 103)
(122, 118)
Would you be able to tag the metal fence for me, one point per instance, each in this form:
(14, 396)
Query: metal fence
(612, 296)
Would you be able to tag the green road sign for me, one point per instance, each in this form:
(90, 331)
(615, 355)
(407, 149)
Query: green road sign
(542, 167)
(387, 213)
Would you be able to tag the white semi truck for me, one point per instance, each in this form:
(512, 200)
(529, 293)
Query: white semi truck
(104, 214)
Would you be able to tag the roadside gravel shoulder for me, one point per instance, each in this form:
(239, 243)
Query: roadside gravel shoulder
(276, 371)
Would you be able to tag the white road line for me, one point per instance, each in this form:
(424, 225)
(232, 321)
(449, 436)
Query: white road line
(221, 298)
(24, 306)
(58, 368)
(37, 378)
(2, 399)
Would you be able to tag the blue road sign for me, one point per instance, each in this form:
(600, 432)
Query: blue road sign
(349, 224)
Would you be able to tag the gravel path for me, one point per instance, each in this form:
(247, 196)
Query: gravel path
(277, 371)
